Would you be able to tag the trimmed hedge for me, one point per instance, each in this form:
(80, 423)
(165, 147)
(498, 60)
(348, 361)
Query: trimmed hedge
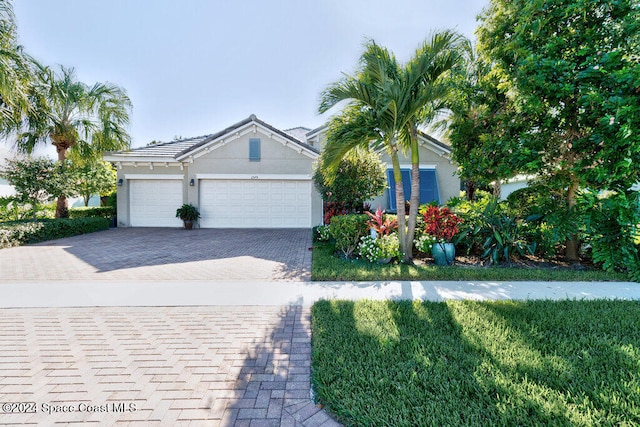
(93, 211)
(23, 232)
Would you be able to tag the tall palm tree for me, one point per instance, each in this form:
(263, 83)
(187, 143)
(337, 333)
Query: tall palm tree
(394, 101)
(86, 119)
(425, 84)
(16, 71)
(370, 119)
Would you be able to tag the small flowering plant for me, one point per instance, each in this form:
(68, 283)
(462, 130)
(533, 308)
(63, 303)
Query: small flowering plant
(389, 246)
(441, 223)
(323, 233)
(424, 243)
(368, 249)
(375, 249)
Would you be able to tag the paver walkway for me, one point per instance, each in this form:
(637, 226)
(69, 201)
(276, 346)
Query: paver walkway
(196, 366)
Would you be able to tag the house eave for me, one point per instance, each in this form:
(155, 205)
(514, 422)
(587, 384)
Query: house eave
(115, 158)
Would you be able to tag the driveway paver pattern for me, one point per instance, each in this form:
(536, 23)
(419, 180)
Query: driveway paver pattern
(165, 254)
(159, 366)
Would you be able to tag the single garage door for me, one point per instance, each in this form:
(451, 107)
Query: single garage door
(153, 202)
(241, 203)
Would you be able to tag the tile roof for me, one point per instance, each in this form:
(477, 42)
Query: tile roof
(164, 149)
(299, 133)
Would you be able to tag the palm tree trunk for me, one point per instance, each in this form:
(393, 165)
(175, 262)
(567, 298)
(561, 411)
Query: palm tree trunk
(402, 228)
(415, 195)
(62, 208)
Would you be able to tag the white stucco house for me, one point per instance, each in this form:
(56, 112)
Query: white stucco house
(249, 175)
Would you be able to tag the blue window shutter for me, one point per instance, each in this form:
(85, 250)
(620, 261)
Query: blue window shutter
(406, 185)
(429, 191)
(254, 149)
(391, 191)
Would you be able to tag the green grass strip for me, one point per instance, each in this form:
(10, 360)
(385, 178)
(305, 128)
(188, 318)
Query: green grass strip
(469, 363)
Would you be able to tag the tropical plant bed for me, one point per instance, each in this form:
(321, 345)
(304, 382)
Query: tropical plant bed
(478, 363)
(327, 265)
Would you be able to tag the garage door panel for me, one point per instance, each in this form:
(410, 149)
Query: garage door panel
(153, 203)
(255, 204)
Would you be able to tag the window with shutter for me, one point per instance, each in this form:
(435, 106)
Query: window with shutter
(429, 191)
(254, 150)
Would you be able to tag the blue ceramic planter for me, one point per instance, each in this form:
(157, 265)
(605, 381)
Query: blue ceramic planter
(443, 253)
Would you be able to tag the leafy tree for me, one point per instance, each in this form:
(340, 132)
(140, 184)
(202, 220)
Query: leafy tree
(37, 180)
(88, 120)
(359, 177)
(571, 69)
(93, 177)
(387, 104)
(473, 127)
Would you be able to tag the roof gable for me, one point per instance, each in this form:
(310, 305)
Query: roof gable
(249, 125)
(195, 147)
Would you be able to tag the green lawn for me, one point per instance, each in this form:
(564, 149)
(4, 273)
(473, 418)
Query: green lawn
(328, 267)
(478, 363)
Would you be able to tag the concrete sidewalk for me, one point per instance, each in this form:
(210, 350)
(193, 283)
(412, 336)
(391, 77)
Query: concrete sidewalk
(141, 293)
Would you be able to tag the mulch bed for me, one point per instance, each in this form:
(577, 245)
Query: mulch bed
(526, 262)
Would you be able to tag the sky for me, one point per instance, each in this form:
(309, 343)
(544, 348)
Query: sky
(194, 67)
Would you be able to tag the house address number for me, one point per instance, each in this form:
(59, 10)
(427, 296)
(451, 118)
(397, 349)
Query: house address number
(254, 177)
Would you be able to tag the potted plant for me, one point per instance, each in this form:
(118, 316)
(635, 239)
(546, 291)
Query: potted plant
(442, 224)
(188, 214)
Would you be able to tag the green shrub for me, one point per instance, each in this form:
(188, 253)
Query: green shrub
(347, 231)
(613, 230)
(359, 176)
(93, 211)
(550, 220)
(110, 200)
(22, 232)
(492, 233)
(47, 211)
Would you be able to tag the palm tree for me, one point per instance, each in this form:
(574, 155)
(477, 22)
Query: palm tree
(425, 87)
(86, 119)
(393, 101)
(16, 72)
(370, 118)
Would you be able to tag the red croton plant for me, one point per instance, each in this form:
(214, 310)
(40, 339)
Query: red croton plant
(380, 224)
(441, 223)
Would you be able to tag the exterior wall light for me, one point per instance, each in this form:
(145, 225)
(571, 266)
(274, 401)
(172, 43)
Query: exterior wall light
(192, 182)
(120, 182)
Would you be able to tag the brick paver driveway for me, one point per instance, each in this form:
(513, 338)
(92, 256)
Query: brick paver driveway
(165, 254)
(169, 366)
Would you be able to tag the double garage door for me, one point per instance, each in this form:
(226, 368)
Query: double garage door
(224, 203)
(242, 203)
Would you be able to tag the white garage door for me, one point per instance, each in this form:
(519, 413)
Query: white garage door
(153, 203)
(255, 203)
